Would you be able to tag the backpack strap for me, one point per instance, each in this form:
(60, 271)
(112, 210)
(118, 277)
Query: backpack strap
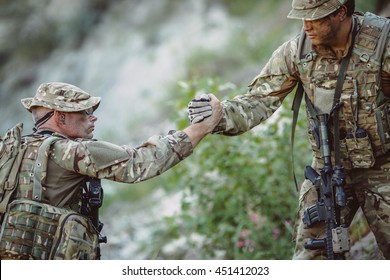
(39, 173)
(40, 163)
(382, 41)
(306, 54)
(295, 108)
(305, 50)
(378, 28)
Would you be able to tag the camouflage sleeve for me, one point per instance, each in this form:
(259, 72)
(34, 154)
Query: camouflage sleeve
(386, 58)
(122, 163)
(386, 70)
(265, 94)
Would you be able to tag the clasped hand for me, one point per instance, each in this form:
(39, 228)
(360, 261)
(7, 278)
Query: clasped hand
(199, 108)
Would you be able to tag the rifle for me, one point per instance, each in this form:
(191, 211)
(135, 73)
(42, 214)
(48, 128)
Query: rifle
(91, 202)
(331, 198)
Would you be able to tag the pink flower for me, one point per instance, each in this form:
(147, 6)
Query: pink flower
(275, 233)
(245, 233)
(254, 218)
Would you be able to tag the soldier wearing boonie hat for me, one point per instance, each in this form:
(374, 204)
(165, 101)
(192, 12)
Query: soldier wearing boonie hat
(314, 9)
(333, 37)
(61, 167)
(61, 97)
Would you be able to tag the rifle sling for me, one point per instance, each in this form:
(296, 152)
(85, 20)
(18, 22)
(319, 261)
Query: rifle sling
(295, 107)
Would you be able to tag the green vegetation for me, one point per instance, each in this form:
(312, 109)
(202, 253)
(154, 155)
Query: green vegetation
(239, 199)
(364, 6)
(239, 194)
(242, 8)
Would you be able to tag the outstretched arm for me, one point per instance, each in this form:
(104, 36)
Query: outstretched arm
(197, 131)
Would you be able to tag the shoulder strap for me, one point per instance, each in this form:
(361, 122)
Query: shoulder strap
(40, 163)
(305, 51)
(378, 28)
(39, 173)
(295, 107)
(382, 41)
(306, 54)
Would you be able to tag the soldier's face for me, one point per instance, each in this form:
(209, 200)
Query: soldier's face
(78, 124)
(323, 31)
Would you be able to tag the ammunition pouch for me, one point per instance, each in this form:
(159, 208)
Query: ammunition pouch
(359, 149)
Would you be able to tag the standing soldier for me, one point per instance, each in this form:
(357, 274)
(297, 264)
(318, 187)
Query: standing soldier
(341, 59)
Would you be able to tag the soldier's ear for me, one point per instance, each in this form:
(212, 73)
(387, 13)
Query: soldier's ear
(342, 13)
(59, 117)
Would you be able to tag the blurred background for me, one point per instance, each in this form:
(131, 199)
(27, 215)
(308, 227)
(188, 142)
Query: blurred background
(234, 198)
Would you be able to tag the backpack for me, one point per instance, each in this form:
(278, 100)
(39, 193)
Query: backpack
(11, 155)
(31, 229)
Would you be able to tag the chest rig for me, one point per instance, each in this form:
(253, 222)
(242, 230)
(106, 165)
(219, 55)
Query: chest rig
(365, 109)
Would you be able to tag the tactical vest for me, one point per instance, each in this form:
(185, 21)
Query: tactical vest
(364, 104)
(32, 228)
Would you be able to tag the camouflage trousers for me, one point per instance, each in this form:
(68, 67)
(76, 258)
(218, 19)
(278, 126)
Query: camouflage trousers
(368, 189)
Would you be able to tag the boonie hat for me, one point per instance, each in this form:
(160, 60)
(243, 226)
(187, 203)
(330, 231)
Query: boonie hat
(314, 9)
(61, 97)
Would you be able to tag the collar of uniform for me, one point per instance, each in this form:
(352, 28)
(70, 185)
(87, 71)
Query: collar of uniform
(50, 132)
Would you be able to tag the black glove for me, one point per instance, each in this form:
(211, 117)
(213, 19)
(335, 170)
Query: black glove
(199, 109)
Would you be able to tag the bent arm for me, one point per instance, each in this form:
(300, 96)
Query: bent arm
(265, 95)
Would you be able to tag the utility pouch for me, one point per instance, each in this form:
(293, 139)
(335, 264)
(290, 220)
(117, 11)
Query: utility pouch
(34, 230)
(360, 152)
(382, 114)
(76, 239)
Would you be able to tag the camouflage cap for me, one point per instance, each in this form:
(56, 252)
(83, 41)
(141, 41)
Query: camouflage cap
(61, 97)
(314, 9)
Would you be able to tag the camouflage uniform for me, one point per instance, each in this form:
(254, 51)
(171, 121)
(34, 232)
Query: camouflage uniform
(46, 214)
(368, 184)
(70, 162)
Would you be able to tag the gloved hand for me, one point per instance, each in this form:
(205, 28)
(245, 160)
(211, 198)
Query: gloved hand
(199, 108)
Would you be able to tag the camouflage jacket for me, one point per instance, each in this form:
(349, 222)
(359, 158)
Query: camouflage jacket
(285, 69)
(70, 162)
